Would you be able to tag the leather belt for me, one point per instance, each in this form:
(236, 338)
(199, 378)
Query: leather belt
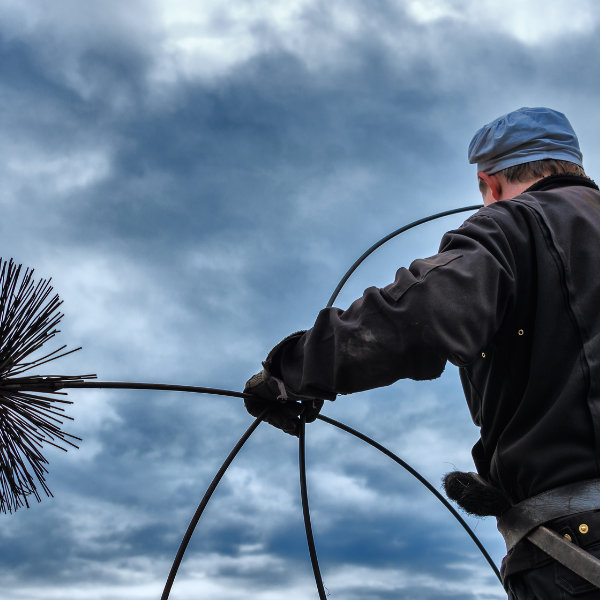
(526, 519)
(562, 501)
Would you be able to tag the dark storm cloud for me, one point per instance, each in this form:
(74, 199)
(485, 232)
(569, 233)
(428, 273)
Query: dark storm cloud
(189, 225)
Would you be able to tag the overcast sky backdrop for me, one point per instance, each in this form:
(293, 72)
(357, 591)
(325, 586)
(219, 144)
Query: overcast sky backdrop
(196, 176)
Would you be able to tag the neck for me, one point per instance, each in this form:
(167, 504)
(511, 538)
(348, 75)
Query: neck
(510, 190)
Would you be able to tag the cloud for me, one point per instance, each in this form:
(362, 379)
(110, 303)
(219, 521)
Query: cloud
(196, 178)
(533, 23)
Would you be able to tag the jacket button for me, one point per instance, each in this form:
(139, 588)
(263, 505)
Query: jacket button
(568, 537)
(483, 355)
(521, 332)
(583, 528)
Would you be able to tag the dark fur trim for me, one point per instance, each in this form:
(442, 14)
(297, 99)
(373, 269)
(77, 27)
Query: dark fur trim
(475, 495)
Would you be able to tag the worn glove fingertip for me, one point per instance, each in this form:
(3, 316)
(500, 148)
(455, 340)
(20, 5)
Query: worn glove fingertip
(254, 381)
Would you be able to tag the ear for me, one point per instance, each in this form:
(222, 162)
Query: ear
(494, 183)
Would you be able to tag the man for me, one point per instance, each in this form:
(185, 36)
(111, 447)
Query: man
(513, 299)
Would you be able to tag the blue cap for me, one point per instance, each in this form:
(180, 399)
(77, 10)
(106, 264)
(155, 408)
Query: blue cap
(522, 136)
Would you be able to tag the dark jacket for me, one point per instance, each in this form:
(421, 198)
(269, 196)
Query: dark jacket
(513, 299)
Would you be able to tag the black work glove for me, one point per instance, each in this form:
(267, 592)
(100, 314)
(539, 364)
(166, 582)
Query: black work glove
(284, 414)
(285, 406)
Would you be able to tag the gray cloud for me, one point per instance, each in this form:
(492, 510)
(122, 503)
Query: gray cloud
(196, 180)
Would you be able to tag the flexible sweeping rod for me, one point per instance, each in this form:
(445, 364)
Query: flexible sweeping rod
(28, 320)
(390, 236)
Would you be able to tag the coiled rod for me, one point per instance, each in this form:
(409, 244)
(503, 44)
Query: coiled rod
(415, 473)
(127, 385)
(387, 238)
(354, 432)
(306, 512)
(211, 488)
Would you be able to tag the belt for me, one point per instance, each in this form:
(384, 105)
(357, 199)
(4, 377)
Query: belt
(526, 520)
(562, 501)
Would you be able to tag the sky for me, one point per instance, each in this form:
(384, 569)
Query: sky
(196, 177)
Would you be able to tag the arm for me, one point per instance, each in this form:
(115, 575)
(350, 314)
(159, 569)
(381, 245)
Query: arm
(446, 307)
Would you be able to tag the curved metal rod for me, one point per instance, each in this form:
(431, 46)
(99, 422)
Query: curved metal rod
(211, 488)
(424, 481)
(306, 512)
(220, 392)
(388, 237)
(126, 385)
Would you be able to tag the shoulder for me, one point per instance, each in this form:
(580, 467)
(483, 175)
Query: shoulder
(512, 219)
(495, 220)
(505, 212)
(501, 230)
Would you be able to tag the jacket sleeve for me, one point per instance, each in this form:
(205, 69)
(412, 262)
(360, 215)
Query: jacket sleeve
(446, 307)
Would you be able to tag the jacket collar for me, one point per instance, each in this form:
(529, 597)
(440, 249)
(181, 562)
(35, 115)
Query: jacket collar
(561, 180)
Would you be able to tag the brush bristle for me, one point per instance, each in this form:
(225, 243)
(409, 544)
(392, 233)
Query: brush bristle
(28, 319)
(474, 495)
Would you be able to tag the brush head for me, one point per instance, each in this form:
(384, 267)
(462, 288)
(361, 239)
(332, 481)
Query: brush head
(29, 315)
(475, 495)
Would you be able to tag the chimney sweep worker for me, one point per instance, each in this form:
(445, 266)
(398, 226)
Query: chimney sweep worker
(512, 299)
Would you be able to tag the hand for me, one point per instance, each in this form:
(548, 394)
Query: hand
(285, 406)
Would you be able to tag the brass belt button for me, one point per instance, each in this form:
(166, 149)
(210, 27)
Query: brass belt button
(583, 528)
(568, 537)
